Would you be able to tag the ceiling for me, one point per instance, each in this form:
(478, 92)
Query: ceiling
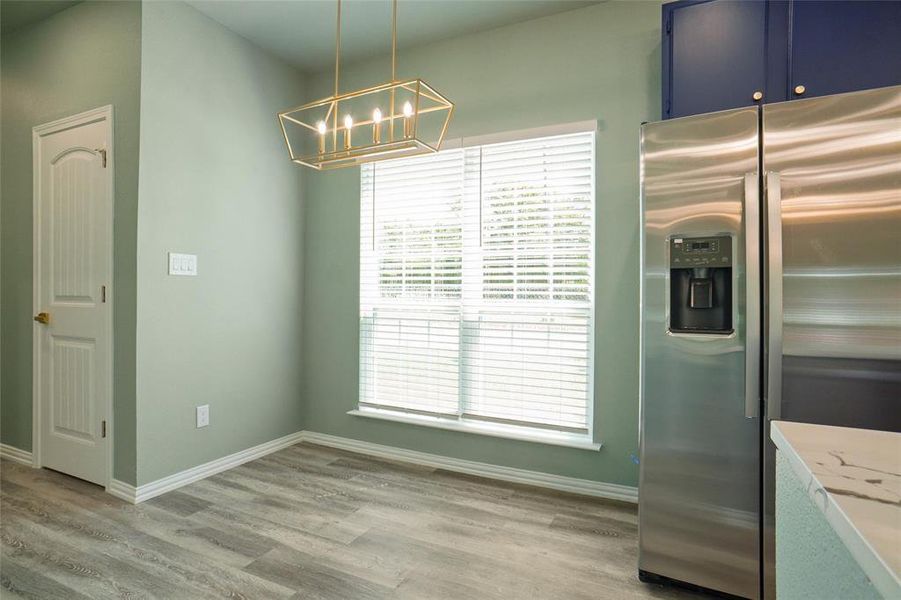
(15, 14)
(302, 32)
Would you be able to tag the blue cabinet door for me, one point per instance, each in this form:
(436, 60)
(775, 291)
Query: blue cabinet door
(844, 46)
(714, 55)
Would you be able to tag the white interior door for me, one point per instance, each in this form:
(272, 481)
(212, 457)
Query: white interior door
(72, 296)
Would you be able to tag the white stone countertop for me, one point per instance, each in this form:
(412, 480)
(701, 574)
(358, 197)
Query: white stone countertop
(854, 477)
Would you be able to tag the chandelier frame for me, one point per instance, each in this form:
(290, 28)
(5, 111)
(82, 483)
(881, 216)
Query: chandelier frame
(334, 148)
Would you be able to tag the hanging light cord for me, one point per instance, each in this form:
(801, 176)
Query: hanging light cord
(337, 71)
(393, 63)
(338, 48)
(393, 44)
(394, 41)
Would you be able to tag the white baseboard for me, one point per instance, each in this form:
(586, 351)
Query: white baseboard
(122, 490)
(573, 485)
(585, 487)
(133, 494)
(16, 455)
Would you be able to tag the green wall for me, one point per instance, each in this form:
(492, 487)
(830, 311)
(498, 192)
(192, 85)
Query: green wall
(600, 62)
(267, 332)
(215, 181)
(84, 57)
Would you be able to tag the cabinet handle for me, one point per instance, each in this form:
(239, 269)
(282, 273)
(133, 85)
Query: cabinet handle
(758, 95)
(800, 89)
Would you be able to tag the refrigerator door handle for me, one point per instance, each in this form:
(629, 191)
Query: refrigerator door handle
(752, 296)
(774, 296)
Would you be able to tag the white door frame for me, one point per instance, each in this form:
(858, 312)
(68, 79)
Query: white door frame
(103, 113)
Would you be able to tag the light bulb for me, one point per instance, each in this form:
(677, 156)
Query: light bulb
(348, 123)
(408, 122)
(322, 127)
(376, 126)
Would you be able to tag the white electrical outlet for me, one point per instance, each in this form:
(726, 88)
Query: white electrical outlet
(182, 264)
(203, 415)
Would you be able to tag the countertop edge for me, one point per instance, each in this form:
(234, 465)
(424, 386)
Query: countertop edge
(883, 577)
(881, 574)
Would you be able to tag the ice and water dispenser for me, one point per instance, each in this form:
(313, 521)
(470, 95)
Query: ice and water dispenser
(700, 270)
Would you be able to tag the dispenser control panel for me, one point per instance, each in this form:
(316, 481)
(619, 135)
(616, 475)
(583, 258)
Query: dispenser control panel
(694, 252)
(700, 285)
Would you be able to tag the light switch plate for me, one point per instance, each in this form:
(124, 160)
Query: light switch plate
(203, 416)
(182, 264)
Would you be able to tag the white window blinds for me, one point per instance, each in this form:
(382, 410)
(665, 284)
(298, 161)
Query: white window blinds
(476, 283)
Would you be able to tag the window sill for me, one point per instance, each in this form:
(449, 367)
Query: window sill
(512, 432)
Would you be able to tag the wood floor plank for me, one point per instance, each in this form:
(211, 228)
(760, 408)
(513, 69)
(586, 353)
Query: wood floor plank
(20, 582)
(117, 560)
(315, 580)
(180, 503)
(189, 534)
(103, 576)
(317, 523)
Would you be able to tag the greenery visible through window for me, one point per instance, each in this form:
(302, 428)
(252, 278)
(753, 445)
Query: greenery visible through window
(476, 283)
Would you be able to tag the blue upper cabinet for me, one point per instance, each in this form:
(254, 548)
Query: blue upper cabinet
(713, 55)
(721, 54)
(840, 46)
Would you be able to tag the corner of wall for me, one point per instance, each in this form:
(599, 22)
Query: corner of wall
(231, 336)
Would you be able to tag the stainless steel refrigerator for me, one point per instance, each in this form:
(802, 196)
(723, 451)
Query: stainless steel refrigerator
(771, 289)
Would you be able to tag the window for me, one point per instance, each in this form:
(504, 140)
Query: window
(476, 284)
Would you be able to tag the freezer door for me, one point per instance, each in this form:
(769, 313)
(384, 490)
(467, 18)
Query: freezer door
(699, 475)
(833, 207)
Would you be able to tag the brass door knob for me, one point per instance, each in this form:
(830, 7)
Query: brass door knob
(758, 95)
(42, 317)
(800, 89)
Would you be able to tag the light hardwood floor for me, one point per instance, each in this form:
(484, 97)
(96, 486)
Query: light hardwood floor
(316, 523)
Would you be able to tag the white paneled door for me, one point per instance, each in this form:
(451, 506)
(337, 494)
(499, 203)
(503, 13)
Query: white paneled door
(73, 206)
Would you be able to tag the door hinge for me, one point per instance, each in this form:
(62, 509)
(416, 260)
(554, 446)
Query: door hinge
(103, 429)
(669, 23)
(103, 293)
(102, 152)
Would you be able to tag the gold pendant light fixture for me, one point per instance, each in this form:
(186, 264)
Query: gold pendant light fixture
(390, 120)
